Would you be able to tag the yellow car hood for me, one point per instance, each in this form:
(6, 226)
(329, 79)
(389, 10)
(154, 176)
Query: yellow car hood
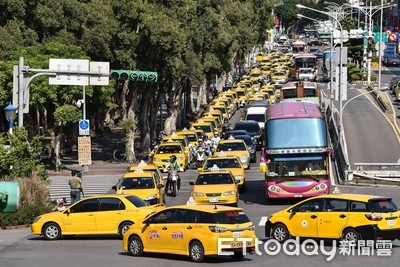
(214, 188)
(141, 193)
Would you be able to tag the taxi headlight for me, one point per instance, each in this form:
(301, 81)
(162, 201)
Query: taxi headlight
(198, 194)
(179, 158)
(230, 193)
(151, 197)
(238, 177)
(244, 159)
(156, 159)
(36, 219)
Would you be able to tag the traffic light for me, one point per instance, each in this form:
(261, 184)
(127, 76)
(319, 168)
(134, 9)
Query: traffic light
(134, 75)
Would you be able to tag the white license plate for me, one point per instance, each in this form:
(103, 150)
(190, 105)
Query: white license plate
(213, 200)
(298, 195)
(390, 222)
(237, 234)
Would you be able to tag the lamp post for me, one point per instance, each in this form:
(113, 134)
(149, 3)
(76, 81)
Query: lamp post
(340, 53)
(331, 55)
(11, 115)
(357, 96)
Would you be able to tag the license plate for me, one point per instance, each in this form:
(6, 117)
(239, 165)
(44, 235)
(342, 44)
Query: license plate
(213, 200)
(237, 234)
(236, 245)
(298, 195)
(390, 222)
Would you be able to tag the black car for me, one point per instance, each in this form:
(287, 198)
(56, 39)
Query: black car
(249, 143)
(234, 133)
(315, 43)
(253, 129)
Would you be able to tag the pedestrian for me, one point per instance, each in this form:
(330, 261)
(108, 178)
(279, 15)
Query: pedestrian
(75, 184)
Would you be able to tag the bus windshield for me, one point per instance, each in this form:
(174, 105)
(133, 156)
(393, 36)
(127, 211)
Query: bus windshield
(297, 165)
(296, 133)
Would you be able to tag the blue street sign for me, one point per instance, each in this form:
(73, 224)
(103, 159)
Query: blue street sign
(84, 128)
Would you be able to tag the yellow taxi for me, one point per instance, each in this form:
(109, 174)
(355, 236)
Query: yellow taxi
(190, 135)
(232, 95)
(215, 113)
(143, 184)
(181, 139)
(230, 163)
(220, 107)
(192, 230)
(207, 127)
(215, 122)
(271, 93)
(102, 214)
(234, 147)
(215, 186)
(165, 150)
(242, 96)
(337, 216)
(147, 167)
(279, 77)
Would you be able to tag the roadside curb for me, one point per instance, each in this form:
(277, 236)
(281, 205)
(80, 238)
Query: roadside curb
(15, 227)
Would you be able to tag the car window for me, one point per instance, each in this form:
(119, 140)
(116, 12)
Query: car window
(214, 178)
(184, 216)
(356, 206)
(165, 216)
(231, 217)
(309, 206)
(138, 183)
(138, 202)
(336, 205)
(231, 147)
(168, 149)
(204, 217)
(107, 204)
(89, 205)
(383, 205)
(223, 163)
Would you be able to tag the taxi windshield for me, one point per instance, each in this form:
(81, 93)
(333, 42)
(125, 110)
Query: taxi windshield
(226, 163)
(231, 217)
(231, 146)
(168, 149)
(138, 183)
(191, 137)
(205, 128)
(213, 178)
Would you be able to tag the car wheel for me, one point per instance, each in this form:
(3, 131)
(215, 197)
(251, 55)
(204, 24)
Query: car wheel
(280, 233)
(237, 256)
(124, 227)
(51, 231)
(135, 246)
(351, 235)
(196, 251)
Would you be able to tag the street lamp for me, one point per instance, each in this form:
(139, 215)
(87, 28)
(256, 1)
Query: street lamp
(299, 6)
(351, 99)
(11, 115)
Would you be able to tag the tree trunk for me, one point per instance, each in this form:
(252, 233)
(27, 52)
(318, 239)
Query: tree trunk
(171, 120)
(202, 95)
(124, 102)
(130, 141)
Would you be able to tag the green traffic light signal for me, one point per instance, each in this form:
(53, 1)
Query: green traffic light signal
(140, 76)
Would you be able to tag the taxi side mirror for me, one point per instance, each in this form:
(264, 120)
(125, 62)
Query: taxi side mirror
(200, 169)
(114, 187)
(191, 183)
(237, 181)
(160, 186)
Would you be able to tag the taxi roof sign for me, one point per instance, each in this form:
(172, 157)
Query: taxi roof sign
(231, 137)
(174, 134)
(192, 128)
(214, 168)
(142, 164)
(184, 129)
(211, 110)
(200, 121)
(139, 170)
(336, 191)
(221, 153)
(191, 201)
(170, 141)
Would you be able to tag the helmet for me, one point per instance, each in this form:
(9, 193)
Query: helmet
(173, 157)
(200, 140)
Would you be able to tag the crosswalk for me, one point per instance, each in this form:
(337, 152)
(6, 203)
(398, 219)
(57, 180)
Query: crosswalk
(92, 185)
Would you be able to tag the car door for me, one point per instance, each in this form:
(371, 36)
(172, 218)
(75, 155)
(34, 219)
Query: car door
(156, 232)
(180, 231)
(333, 219)
(110, 214)
(303, 218)
(81, 217)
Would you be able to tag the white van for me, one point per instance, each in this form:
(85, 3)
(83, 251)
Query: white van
(257, 114)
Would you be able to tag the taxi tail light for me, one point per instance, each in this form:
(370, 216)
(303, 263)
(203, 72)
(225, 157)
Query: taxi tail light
(216, 229)
(374, 217)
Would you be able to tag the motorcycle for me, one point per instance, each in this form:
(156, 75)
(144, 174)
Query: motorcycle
(172, 182)
(200, 157)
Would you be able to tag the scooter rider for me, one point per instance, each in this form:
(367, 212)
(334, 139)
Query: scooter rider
(171, 166)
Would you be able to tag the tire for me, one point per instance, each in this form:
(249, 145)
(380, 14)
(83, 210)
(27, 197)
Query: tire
(351, 234)
(118, 155)
(174, 189)
(196, 251)
(280, 233)
(237, 256)
(51, 231)
(123, 228)
(135, 246)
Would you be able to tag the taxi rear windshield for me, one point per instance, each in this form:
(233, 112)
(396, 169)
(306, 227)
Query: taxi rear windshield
(382, 205)
(205, 128)
(231, 147)
(138, 183)
(226, 163)
(168, 150)
(231, 217)
(223, 178)
(191, 137)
